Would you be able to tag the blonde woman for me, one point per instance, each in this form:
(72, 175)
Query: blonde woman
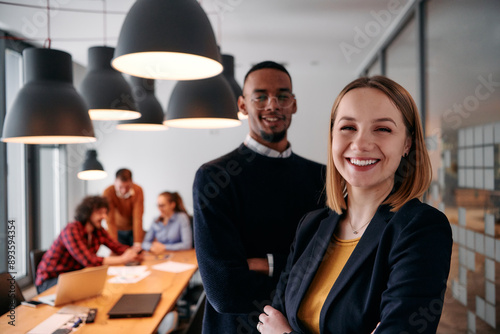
(377, 259)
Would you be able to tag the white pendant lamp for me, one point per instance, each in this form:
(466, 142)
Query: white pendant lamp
(167, 39)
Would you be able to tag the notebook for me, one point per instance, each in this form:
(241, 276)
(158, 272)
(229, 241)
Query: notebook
(77, 285)
(135, 305)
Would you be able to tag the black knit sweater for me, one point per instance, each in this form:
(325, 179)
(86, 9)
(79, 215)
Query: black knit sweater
(248, 205)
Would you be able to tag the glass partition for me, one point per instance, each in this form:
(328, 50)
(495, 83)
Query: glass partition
(401, 58)
(463, 124)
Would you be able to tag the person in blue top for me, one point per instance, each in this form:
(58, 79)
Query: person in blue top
(172, 229)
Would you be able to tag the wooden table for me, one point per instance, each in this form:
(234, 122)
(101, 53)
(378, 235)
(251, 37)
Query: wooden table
(170, 285)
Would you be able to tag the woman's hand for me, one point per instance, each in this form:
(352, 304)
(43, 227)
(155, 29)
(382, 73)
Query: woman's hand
(273, 321)
(157, 248)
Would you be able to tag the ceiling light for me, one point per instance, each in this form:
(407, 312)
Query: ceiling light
(92, 168)
(228, 63)
(151, 111)
(202, 104)
(167, 40)
(48, 109)
(106, 91)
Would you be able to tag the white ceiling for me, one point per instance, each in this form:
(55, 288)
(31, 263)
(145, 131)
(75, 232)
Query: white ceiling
(306, 35)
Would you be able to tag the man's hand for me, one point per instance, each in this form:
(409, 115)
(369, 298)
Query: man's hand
(258, 264)
(130, 255)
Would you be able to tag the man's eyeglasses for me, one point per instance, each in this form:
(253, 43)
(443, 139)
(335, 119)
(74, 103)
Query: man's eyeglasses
(261, 101)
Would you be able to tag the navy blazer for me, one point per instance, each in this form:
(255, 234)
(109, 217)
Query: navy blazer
(396, 275)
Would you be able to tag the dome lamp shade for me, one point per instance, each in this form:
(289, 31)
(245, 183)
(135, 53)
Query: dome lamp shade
(151, 111)
(91, 168)
(167, 39)
(48, 109)
(202, 104)
(105, 90)
(228, 63)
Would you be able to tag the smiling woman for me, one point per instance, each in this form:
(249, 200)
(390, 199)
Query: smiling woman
(377, 256)
(388, 118)
(368, 140)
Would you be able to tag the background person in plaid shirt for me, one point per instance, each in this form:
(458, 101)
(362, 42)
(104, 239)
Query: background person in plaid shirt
(76, 247)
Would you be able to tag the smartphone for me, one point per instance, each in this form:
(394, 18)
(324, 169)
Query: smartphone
(31, 303)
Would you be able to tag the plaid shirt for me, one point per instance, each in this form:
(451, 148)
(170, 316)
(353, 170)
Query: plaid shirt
(74, 250)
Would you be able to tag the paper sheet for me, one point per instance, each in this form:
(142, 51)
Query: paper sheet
(173, 267)
(126, 270)
(129, 277)
(52, 323)
(74, 309)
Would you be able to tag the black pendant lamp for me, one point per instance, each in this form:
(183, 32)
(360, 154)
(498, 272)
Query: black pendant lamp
(228, 63)
(91, 168)
(151, 111)
(167, 39)
(106, 91)
(48, 109)
(202, 104)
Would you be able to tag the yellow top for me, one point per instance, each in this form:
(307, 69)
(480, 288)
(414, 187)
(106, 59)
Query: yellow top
(335, 258)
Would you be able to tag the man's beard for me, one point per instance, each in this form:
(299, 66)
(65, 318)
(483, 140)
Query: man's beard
(273, 137)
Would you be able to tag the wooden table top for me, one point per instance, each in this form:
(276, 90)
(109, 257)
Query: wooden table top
(170, 285)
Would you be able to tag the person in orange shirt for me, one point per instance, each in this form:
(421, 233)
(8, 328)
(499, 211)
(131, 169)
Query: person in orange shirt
(126, 207)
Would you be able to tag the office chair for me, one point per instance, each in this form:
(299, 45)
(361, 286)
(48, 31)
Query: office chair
(196, 323)
(35, 258)
(10, 293)
(191, 222)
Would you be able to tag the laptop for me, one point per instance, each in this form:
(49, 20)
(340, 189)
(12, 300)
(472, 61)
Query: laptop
(135, 305)
(77, 285)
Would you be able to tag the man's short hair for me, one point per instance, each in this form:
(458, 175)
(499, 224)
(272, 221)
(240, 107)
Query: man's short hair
(124, 175)
(88, 205)
(267, 64)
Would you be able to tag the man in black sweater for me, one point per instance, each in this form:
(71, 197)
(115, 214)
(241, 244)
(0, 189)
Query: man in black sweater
(248, 203)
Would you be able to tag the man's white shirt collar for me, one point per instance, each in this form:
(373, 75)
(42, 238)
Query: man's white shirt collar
(266, 151)
(127, 195)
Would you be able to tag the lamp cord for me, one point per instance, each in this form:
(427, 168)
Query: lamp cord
(73, 10)
(48, 26)
(63, 9)
(104, 23)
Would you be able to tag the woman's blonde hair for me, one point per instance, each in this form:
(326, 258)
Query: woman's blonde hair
(414, 173)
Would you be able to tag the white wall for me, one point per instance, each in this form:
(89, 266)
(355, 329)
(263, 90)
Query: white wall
(168, 160)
